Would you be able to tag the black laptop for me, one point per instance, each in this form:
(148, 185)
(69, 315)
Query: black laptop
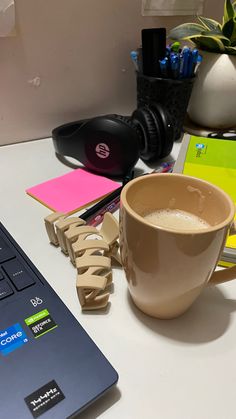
(49, 365)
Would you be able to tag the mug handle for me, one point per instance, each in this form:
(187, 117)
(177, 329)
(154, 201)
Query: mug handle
(227, 274)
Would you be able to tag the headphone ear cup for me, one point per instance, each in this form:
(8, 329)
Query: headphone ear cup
(128, 121)
(110, 145)
(167, 131)
(150, 143)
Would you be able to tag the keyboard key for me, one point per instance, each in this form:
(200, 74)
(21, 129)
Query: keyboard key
(18, 275)
(5, 289)
(5, 252)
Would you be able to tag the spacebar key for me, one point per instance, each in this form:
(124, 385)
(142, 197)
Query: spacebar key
(18, 275)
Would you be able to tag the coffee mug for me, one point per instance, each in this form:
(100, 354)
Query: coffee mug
(168, 265)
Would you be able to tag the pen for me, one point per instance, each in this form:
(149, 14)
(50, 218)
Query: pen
(174, 65)
(168, 51)
(186, 54)
(189, 65)
(98, 208)
(94, 215)
(106, 204)
(111, 207)
(195, 56)
(165, 167)
(114, 204)
(134, 58)
(164, 67)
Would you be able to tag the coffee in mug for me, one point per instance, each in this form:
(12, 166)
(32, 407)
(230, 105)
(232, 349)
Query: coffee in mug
(173, 229)
(176, 219)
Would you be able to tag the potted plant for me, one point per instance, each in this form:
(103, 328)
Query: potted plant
(213, 100)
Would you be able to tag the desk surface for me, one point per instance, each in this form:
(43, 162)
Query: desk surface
(176, 369)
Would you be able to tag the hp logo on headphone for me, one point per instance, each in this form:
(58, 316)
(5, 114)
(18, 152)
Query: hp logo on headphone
(102, 150)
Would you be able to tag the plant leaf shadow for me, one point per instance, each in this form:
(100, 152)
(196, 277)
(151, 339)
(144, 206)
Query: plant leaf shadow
(207, 320)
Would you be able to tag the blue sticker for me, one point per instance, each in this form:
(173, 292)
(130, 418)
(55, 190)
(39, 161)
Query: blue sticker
(12, 338)
(200, 146)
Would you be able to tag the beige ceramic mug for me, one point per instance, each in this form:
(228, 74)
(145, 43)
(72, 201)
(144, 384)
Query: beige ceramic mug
(167, 268)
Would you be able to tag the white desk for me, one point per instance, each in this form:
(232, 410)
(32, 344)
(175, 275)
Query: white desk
(177, 369)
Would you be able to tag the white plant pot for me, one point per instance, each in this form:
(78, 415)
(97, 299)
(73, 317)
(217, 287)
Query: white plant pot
(213, 100)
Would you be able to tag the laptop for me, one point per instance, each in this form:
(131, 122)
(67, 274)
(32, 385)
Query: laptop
(49, 365)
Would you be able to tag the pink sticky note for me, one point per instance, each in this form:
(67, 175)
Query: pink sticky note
(72, 191)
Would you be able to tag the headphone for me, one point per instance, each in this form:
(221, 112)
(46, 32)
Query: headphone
(112, 144)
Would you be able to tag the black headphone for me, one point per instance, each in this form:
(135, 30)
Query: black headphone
(112, 144)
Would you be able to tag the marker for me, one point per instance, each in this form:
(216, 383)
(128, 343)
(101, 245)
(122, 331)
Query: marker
(153, 50)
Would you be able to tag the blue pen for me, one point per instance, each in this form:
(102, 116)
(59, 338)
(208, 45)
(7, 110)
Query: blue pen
(181, 61)
(175, 65)
(168, 51)
(190, 65)
(164, 67)
(181, 64)
(134, 58)
(185, 70)
(195, 55)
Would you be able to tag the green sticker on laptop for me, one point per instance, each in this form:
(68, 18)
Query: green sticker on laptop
(40, 323)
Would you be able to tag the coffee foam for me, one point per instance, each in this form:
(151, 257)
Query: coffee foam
(176, 219)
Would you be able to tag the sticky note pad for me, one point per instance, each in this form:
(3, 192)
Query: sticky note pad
(72, 191)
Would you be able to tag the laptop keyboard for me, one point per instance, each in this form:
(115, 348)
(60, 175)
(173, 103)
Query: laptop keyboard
(14, 276)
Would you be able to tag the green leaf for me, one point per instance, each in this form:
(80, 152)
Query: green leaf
(208, 43)
(185, 30)
(234, 6)
(233, 36)
(228, 11)
(230, 50)
(220, 36)
(210, 24)
(229, 29)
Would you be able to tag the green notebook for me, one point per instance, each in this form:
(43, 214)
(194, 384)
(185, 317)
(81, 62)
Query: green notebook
(215, 161)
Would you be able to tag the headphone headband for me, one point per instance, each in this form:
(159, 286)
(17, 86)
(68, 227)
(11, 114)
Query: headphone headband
(64, 138)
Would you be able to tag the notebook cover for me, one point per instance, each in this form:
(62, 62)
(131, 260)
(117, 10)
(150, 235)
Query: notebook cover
(213, 160)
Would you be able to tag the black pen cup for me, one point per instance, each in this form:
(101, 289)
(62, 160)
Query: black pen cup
(172, 94)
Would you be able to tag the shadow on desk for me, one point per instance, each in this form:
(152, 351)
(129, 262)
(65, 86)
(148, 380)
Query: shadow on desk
(100, 405)
(205, 321)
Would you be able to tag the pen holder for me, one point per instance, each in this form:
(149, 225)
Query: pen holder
(173, 94)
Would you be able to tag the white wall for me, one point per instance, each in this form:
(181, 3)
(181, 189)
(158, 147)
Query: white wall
(79, 52)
